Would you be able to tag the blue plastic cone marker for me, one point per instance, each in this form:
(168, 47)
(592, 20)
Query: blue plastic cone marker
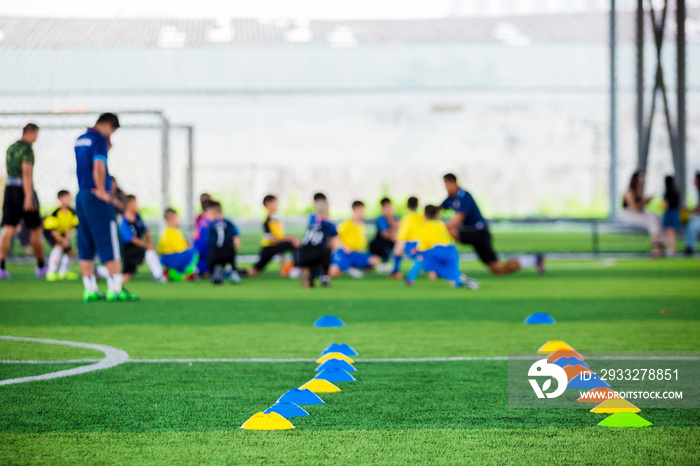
(336, 364)
(540, 318)
(286, 410)
(342, 348)
(300, 397)
(587, 381)
(335, 375)
(328, 321)
(572, 361)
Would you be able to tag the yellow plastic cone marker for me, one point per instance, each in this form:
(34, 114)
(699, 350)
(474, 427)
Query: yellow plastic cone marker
(616, 405)
(271, 421)
(554, 345)
(320, 386)
(328, 356)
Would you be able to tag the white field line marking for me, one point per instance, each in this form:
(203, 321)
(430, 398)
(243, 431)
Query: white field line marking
(449, 359)
(113, 357)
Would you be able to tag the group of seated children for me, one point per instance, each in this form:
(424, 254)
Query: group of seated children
(322, 253)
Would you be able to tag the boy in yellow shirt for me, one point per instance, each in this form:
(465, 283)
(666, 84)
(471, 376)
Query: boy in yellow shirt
(175, 253)
(437, 253)
(58, 230)
(274, 242)
(407, 236)
(351, 257)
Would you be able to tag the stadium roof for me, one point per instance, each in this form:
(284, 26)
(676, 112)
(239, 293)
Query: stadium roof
(176, 33)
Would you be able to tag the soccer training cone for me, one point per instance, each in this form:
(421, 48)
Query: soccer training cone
(554, 345)
(624, 420)
(329, 356)
(335, 375)
(616, 405)
(328, 321)
(336, 364)
(271, 421)
(573, 371)
(300, 397)
(553, 356)
(319, 386)
(572, 361)
(540, 318)
(597, 395)
(587, 380)
(342, 348)
(287, 410)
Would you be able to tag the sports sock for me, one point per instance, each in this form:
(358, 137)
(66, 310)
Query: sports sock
(2, 264)
(40, 263)
(529, 260)
(66, 261)
(154, 264)
(397, 264)
(90, 284)
(114, 283)
(102, 271)
(55, 259)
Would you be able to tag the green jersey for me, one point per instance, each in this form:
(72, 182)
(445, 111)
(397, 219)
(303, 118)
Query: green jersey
(18, 153)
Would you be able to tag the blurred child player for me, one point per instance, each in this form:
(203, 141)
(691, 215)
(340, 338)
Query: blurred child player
(224, 239)
(383, 243)
(316, 246)
(199, 238)
(58, 230)
(138, 244)
(274, 241)
(407, 235)
(350, 255)
(175, 253)
(436, 251)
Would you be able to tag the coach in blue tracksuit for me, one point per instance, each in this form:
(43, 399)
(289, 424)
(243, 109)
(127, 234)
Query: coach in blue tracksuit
(97, 227)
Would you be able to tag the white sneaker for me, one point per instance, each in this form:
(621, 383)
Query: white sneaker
(294, 273)
(385, 268)
(355, 273)
(235, 278)
(471, 283)
(162, 279)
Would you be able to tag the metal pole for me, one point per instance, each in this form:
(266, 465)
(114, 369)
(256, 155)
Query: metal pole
(680, 75)
(641, 155)
(613, 112)
(190, 176)
(165, 161)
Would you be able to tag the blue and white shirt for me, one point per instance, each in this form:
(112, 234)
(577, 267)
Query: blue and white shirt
(464, 202)
(89, 148)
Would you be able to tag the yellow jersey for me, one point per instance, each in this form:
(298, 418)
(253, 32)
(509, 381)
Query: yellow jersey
(172, 242)
(434, 233)
(272, 230)
(61, 221)
(410, 226)
(353, 235)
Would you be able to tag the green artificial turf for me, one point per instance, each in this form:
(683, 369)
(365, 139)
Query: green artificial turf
(396, 412)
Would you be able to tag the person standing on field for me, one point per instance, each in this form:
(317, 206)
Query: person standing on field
(21, 202)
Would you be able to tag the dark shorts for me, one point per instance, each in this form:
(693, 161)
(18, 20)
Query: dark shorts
(381, 247)
(267, 253)
(481, 241)
(314, 257)
(221, 256)
(132, 257)
(52, 241)
(13, 209)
